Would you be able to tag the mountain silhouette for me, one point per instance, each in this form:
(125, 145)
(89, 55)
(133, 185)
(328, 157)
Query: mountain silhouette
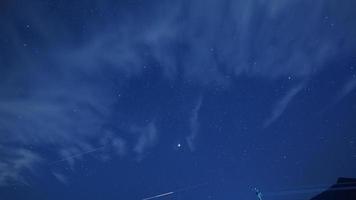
(344, 189)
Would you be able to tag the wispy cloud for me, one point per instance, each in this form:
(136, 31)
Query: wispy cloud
(226, 37)
(240, 47)
(119, 146)
(61, 178)
(114, 142)
(147, 138)
(14, 162)
(194, 125)
(282, 104)
(347, 88)
(66, 105)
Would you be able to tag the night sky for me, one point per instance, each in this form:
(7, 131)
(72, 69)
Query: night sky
(195, 99)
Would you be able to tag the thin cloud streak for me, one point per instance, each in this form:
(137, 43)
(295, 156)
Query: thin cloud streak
(282, 105)
(348, 88)
(194, 125)
(61, 178)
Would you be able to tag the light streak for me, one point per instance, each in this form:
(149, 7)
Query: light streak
(175, 191)
(159, 195)
(76, 155)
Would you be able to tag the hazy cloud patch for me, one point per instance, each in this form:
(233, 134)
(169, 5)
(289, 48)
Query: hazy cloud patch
(147, 138)
(14, 162)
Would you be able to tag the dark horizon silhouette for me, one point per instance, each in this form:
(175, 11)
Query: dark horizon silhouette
(344, 189)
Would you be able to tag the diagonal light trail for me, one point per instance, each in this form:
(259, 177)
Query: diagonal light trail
(175, 191)
(159, 195)
(77, 155)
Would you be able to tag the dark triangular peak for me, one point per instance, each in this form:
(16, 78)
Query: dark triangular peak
(344, 189)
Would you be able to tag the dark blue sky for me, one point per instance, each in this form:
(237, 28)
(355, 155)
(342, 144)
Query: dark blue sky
(205, 98)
